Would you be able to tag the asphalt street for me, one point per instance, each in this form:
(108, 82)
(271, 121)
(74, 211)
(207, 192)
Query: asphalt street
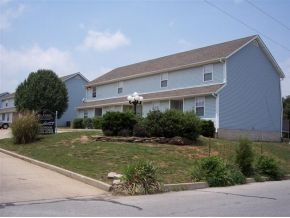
(256, 199)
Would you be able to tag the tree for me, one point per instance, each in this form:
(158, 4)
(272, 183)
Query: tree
(42, 90)
(286, 107)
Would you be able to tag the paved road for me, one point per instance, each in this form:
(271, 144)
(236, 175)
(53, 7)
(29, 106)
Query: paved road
(22, 182)
(257, 199)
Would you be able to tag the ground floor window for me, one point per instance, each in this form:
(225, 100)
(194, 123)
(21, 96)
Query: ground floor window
(176, 104)
(98, 112)
(85, 114)
(199, 106)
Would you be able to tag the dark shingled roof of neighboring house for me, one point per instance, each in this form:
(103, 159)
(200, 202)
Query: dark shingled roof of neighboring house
(175, 61)
(171, 94)
(64, 78)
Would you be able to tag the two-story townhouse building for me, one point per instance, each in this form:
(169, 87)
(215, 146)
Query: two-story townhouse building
(7, 107)
(75, 84)
(236, 84)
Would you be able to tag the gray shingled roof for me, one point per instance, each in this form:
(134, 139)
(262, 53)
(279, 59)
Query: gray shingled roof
(172, 94)
(209, 53)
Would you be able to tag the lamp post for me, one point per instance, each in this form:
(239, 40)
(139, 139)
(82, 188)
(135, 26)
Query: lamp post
(135, 99)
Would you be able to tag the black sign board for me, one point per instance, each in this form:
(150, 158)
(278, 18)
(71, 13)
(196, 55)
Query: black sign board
(46, 121)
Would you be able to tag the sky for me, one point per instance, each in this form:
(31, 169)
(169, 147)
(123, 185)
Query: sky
(93, 36)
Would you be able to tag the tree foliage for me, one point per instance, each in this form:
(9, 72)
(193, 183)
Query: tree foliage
(286, 107)
(42, 90)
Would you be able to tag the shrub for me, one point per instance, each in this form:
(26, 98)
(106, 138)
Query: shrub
(268, 166)
(216, 172)
(139, 129)
(140, 178)
(78, 123)
(207, 128)
(97, 122)
(173, 123)
(153, 123)
(117, 122)
(245, 157)
(190, 126)
(25, 129)
(87, 123)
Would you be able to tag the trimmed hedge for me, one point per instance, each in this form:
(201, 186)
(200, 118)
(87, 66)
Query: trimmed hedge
(172, 123)
(207, 128)
(118, 123)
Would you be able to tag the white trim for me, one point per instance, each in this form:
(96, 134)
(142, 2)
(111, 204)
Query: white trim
(217, 112)
(212, 61)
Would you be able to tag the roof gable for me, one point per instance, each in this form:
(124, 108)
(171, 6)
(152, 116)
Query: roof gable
(198, 56)
(67, 77)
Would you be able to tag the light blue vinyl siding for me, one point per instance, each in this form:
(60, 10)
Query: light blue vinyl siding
(76, 92)
(176, 80)
(251, 99)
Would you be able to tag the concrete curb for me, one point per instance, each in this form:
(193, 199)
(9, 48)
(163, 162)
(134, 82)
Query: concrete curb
(184, 186)
(76, 176)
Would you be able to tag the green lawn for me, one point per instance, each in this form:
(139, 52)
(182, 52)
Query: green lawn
(78, 152)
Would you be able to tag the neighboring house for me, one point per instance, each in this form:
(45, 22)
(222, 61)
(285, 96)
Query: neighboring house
(7, 107)
(236, 84)
(75, 84)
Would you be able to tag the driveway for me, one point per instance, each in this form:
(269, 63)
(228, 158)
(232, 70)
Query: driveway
(21, 182)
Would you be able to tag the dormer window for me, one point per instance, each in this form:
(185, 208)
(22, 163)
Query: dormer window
(120, 87)
(164, 79)
(208, 73)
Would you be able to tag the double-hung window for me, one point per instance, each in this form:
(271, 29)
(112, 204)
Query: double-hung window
(199, 106)
(208, 73)
(164, 80)
(120, 87)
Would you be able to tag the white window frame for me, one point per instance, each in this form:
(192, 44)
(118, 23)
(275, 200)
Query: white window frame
(120, 87)
(200, 106)
(208, 69)
(163, 78)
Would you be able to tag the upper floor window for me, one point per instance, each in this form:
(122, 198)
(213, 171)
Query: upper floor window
(164, 79)
(199, 106)
(94, 92)
(120, 87)
(208, 73)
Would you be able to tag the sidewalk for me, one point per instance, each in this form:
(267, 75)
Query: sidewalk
(22, 181)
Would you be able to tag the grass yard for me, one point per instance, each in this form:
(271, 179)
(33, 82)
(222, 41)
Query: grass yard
(78, 152)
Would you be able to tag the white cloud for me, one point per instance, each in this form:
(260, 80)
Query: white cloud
(285, 84)
(104, 41)
(8, 14)
(15, 65)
